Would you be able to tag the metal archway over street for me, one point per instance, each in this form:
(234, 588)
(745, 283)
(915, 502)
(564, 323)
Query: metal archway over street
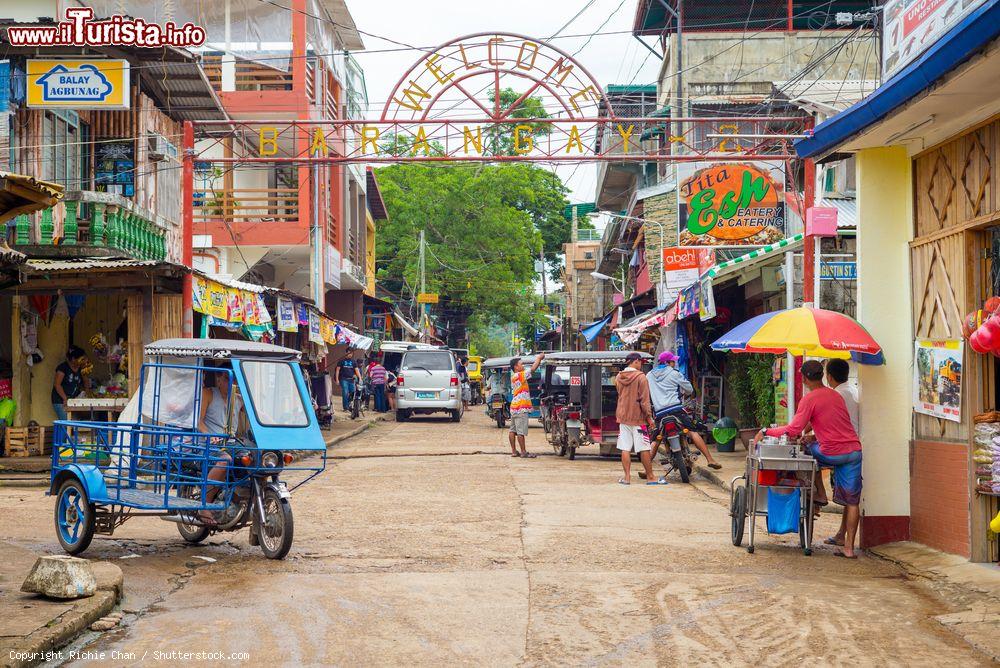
(493, 97)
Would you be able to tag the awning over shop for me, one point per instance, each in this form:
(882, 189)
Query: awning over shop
(631, 330)
(407, 327)
(753, 257)
(591, 330)
(967, 37)
(25, 194)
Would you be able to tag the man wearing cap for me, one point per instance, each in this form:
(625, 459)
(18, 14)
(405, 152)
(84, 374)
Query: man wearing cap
(666, 383)
(634, 414)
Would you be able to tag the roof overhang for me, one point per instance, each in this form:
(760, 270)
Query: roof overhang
(950, 87)
(25, 194)
(374, 196)
(344, 25)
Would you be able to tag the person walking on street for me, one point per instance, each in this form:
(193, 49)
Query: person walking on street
(666, 384)
(463, 379)
(520, 405)
(379, 377)
(838, 448)
(634, 414)
(348, 375)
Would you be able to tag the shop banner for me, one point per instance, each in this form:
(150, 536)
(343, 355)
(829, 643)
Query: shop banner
(733, 204)
(937, 382)
(287, 319)
(96, 83)
(209, 298)
(234, 302)
(910, 27)
(315, 335)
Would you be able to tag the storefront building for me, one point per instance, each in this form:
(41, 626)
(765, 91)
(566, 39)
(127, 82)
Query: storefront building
(926, 144)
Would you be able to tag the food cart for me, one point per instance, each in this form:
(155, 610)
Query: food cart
(773, 464)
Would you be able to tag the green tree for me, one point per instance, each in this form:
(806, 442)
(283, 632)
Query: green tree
(481, 244)
(500, 137)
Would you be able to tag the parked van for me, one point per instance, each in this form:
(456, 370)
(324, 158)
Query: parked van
(427, 382)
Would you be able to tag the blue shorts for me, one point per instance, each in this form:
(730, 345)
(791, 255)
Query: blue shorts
(846, 474)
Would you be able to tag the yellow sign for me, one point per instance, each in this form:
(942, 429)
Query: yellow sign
(78, 84)
(427, 298)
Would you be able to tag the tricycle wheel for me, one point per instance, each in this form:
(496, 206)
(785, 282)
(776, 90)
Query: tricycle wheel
(192, 533)
(738, 511)
(276, 535)
(677, 460)
(74, 517)
(501, 422)
(563, 449)
(572, 453)
(402, 416)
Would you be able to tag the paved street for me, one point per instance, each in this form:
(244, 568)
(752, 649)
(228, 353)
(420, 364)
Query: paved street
(426, 544)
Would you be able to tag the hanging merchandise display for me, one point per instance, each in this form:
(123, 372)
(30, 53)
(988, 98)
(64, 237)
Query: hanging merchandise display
(287, 319)
(689, 301)
(314, 331)
(986, 455)
(233, 308)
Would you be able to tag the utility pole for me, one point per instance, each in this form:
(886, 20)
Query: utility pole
(423, 288)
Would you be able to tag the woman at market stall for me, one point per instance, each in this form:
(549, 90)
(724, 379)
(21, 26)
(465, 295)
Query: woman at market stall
(69, 382)
(838, 446)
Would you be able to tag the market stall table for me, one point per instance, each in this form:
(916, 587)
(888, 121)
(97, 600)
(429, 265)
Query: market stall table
(113, 406)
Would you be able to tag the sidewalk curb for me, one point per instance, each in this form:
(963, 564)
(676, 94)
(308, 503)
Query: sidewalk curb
(72, 623)
(725, 485)
(35, 483)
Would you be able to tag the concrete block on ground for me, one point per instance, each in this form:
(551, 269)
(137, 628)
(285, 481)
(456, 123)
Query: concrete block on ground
(62, 577)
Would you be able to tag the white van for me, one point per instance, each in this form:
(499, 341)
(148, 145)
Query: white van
(427, 382)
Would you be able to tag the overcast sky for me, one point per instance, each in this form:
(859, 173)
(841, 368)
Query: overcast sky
(612, 59)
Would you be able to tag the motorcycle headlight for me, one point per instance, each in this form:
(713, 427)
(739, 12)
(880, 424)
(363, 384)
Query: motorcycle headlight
(270, 460)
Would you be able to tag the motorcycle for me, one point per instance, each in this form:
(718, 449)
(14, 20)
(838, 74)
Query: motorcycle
(680, 455)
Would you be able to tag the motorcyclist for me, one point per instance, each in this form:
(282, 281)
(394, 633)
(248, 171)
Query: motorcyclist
(666, 385)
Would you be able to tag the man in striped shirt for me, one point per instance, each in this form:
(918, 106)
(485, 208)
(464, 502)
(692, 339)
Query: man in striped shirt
(378, 377)
(520, 404)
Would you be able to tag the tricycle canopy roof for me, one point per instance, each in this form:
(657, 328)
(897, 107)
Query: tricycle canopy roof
(221, 349)
(607, 357)
(502, 362)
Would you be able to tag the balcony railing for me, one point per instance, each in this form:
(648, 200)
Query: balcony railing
(113, 223)
(250, 76)
(588, 235)
(247, 205)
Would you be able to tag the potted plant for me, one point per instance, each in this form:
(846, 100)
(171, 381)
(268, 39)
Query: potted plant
(750, 382)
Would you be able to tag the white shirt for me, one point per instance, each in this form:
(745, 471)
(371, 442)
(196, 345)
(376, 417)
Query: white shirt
(851, 399)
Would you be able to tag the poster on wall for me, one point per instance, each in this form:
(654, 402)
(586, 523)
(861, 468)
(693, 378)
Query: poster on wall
(937, 383)
(731, 204)
(114, 168)
(287, 320)
(910, 27)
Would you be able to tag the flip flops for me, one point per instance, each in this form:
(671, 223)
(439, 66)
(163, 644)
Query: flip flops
(715, 465)
(529, 455)
(623, 481)
(515, 454)
(660, 481)
(838, 553)
(833, 541)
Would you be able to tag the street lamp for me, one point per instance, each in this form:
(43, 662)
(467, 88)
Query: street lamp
(604, 277)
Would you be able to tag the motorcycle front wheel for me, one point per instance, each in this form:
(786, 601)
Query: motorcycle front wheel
(276, 535)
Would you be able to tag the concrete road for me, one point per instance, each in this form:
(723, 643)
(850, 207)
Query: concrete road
(425, 543)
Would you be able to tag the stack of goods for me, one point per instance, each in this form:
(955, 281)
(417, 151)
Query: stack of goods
(986, 454)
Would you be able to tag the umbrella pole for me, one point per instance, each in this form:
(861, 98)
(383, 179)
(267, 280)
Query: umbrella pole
(789, 359)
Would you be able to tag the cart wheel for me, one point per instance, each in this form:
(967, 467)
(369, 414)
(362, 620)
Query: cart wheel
(677, 460)
(74, 516)
(738, 511)
(276, 535)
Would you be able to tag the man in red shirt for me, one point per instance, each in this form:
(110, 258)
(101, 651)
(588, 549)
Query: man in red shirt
(838, 445)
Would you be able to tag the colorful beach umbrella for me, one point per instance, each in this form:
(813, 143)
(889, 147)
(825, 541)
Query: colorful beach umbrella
(803, 331)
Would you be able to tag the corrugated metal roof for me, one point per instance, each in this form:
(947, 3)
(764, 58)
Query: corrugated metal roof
(9, 256)
(78, 264)
(25, 194)
(826, 96)
(847, 210)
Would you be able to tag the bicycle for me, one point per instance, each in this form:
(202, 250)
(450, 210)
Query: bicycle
(358, 403)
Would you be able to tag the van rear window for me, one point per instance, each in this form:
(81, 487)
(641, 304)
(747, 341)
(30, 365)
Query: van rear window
(430, 360)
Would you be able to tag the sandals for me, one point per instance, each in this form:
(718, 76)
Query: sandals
(660, 481)
(515, 454)
(623, 481)
(838, 553)
(529, 455)
(715, 465)
(833, 541)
